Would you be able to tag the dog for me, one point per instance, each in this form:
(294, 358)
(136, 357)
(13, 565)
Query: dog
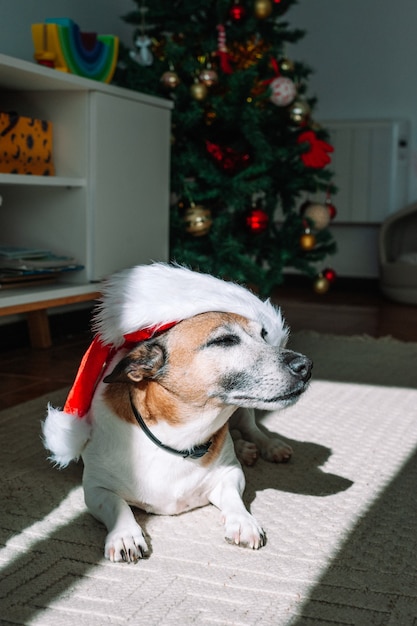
(156, 431)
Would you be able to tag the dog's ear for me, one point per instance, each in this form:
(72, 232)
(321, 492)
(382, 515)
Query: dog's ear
(145, 361)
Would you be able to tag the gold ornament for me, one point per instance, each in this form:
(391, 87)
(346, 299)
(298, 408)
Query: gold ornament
(198, 220)
(208, 76)
(319, 214)
(170, 79)
(321, 284)
(199, 91)
(286, 65)
(307, 240)
(263, 9)
(299, 111)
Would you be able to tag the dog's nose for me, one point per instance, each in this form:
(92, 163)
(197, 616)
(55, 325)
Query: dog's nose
(299, 364)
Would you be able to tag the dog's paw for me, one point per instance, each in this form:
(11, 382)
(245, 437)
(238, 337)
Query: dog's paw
(276, 451)
(246, 451)
(244, 530)
(127, 545)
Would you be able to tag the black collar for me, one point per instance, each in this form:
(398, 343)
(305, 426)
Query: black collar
(193, 453)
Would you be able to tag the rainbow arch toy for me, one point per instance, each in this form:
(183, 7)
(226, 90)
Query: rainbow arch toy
(59, 43)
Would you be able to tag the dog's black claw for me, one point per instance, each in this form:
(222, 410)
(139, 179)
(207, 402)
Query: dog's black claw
(133, 558)
(262, 542)
(123, 555)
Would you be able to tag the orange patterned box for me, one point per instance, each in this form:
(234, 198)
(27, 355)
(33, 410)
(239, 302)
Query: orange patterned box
(25, 145)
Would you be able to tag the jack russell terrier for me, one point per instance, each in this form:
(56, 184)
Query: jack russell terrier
(179, 360)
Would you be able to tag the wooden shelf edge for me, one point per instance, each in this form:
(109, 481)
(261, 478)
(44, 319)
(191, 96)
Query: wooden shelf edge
(27, 299)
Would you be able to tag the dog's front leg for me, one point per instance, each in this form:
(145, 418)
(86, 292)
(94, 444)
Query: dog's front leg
(125, 540)
(241, 527)
(271, 448)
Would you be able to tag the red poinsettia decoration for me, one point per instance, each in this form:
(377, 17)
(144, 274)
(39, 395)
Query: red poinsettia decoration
(316, 156)
(227, 158)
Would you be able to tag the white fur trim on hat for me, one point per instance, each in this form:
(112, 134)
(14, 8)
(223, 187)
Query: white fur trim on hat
(156, 294)
(65, 436)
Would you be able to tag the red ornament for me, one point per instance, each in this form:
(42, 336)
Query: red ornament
(329, 274)
(222, 51)
(237, 12)
(228, 158)
(316, 156)
(332, 209)
(257, 220)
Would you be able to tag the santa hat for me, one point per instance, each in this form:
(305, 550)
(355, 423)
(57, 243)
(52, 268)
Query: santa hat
(137, 304)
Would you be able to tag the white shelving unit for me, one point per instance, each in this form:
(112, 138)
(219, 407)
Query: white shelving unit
(108, 205)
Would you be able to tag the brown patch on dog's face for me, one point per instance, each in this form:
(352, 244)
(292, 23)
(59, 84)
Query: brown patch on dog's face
(138, 368)
(208, 364)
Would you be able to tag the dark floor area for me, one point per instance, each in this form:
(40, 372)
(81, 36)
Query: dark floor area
(350, 308)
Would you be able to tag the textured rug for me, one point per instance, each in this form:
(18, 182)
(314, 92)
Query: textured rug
(341, 517)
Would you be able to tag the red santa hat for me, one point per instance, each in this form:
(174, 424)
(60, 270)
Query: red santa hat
(137, 304)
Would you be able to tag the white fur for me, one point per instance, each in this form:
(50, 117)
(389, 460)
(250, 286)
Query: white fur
(65, 436)
(149, 295)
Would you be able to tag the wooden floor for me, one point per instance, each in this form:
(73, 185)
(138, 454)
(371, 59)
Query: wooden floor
(26, 373)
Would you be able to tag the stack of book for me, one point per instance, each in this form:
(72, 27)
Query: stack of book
(20, 266)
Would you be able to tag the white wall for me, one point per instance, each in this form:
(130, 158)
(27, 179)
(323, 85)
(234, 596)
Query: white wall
(364, 56)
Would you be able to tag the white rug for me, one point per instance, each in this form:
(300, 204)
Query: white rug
(341, 518)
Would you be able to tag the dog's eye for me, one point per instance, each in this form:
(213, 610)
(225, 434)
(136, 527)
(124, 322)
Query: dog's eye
(225, 341)
(264, 333)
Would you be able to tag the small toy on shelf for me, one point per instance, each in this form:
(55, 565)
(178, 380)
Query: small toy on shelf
(60, 44)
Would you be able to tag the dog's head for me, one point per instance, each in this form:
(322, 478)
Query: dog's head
(217, 359)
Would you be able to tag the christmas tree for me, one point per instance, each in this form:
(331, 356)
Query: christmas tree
(247, 156)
